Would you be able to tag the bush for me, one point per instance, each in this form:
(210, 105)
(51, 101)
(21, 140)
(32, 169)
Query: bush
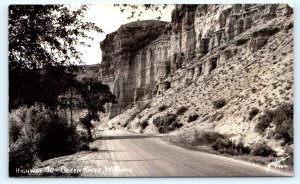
(167, 123)
(44, 134)
(149, 116)
(206, 138)
(262, 149)
(227, 146)
(282, 118)
(84, 142)
(284, 131)
(58, 138)
(162, 108)
(253, 112)
(192, 117)
(219, 103)
(181, 110)
(95, 149)
(84, 147)
(289, 152)
(263, 122)
(22, 155)
(144, 124)
(241, 41)
(84, 137)
(283, 121)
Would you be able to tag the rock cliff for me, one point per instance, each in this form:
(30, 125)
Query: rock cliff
(126, 66)
(240, 55)
(141, 59)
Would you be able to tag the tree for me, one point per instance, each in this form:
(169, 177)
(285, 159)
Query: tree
(139, 9)
(42, 43)
(94, 95)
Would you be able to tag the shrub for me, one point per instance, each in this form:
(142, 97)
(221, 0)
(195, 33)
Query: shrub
(227, 146)
(262, 149)
(14, 130)
(22, 155)
(150, 116)
(58, 138)
(263, 122)
(167, 123)
(84, 147)
(139, 116)
(206, 138)
(162, 108)
(181, 110)
(219, 103)
(95, 149)
(84, 137)
(192, 117)
(242, 149)
(44, 134)
(144, 124)
(253, 112)
(284, 131)
(84, 142)
(289, 152)
(282, 118)
(241, 41)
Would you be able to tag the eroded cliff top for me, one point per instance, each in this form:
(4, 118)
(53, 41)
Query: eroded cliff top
(134, 32)
(143, 23)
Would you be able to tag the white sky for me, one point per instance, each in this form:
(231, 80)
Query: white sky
(109, 19)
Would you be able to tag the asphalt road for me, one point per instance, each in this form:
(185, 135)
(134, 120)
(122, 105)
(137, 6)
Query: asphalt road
(146, 156)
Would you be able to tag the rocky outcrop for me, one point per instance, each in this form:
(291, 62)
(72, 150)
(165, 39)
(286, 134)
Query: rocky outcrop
(144, 59)
(123, 66)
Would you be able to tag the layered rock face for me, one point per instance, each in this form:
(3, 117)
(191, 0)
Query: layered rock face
(123, 66)
(144, 59)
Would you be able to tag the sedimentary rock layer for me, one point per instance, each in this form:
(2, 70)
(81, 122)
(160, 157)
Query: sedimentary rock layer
(140, 59)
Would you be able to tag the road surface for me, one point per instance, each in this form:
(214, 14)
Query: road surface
(128, 154)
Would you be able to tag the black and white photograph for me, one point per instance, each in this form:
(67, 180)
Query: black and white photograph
(151, 90)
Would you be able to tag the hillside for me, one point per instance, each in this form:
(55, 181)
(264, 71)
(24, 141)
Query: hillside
(240, 56)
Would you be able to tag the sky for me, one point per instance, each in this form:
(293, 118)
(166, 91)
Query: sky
(109, 19)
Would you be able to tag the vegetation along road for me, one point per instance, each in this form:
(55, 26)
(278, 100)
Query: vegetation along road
(124, 154)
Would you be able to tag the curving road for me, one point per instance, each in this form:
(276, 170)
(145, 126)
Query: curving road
(146, 156)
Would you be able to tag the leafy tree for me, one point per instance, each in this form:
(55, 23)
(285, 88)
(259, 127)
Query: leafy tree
(42, 51)
(38, 133)
(43, 34)
(94, 95)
